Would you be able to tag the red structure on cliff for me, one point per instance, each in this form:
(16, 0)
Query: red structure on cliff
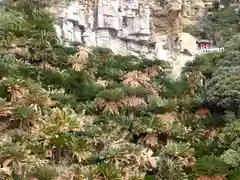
(204, 44)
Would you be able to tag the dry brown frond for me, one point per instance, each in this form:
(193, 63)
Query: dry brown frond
(169, 117)
(202, 113)
(194, 79)
(112, 107)
(212, 134)
(50, 103)
(17, 94)
(105, 57)
(153, 71)
(77, 66)
(45, 65)
(136, 78)
(133, 101)
(80, 61)
(5, 109)
(188, 161)
(211, 178)
(19, 52)
(151, 139)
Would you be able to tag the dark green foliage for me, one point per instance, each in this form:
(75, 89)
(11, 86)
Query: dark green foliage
(211, 166)
(234, 174)
(195, 30)
(16, 26)
(44, 173)
(153, 122)
(205, 63)
(222, 25)
(219, 25)
(169, 170)
(138, 91)
(109, 171)
(171, 84)
(206, 147)
(162, 105)
(110, 95)
(26, 25)
(223, 86)
(227, 2)
(233, 44)
(231, 59)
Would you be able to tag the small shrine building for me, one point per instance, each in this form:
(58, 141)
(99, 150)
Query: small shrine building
(204, 44)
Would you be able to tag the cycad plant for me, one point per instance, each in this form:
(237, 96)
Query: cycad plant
(168, 169)
(118, 117)
(43, 173)
(234, 174)
(25, 116)
(211, 167)
(110, 101)
(57, 129)
(108, 171)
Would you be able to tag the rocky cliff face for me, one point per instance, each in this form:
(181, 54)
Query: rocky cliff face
(132, 27)
(123, 26)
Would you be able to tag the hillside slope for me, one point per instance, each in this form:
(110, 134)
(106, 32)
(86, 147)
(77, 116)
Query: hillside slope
(69, 114)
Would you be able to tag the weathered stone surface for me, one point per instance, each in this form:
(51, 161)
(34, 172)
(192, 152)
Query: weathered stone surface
(121, 25)
(130, 27)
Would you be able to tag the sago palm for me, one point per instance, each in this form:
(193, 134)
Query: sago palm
(109, 101)
(15, 88)
(211, 167)
(25, 116)
(4, 107)
(43, 173)
(148, 130)
(57, 129)
(14, 155)
(168, 169)
(136, 78)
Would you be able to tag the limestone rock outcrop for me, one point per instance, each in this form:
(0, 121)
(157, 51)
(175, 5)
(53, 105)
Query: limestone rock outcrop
(123, 26)
(142, 28)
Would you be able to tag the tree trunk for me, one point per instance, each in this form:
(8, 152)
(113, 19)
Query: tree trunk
(58, 154)
(237, 110)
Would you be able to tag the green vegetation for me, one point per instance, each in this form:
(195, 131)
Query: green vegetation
(117, 117)
(218, 26)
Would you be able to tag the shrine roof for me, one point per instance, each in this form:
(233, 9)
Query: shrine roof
(204, 41)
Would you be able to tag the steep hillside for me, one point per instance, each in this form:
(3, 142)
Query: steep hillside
(68, 113)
